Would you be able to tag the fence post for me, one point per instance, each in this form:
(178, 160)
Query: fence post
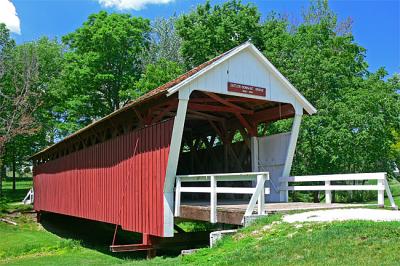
(381, 192)
(328, 193)
(261, 197)
(213, 203)
(389, 194)
(178, 196)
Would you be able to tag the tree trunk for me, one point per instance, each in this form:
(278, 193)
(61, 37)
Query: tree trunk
(2, 172)
(14, 176)
(316, 197)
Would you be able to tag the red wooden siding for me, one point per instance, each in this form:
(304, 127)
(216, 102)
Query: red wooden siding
(108, 182)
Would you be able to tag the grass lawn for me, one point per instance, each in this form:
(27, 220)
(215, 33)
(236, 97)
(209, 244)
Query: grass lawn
(29, 243)
(266, 243)
(339, 243)
(12, 199)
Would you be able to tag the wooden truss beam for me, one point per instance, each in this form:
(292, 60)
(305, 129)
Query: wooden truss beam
(211, 100)
(215, 108)
(251, 128)
(205, 116)
(226, 103)
(273, 114)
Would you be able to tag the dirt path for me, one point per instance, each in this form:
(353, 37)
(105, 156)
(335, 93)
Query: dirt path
(343, 215)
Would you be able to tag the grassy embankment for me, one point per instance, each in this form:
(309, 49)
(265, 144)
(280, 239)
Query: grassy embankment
(265, 243)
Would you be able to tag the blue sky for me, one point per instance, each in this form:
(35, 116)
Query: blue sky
(376, 24)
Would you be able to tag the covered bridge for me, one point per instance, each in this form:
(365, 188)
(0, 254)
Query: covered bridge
(122, 168)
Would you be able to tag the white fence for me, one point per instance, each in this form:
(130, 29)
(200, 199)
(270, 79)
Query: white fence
(381, 185)
(29, 197)
(258, 192)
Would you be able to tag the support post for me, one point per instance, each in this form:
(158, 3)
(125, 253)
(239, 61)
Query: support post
(259, 188)
(328, 192)
(381, 193)
(389, 194)
(213, 201)
(173, 158)
(178, 197)
(254, 153)
(261, 197)
(284, 195)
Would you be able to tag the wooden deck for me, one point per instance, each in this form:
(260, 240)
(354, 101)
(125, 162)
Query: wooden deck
(232, 212)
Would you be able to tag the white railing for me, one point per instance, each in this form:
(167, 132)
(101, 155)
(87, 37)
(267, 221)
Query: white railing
(258, 192)
(29, 197)
(381, 185)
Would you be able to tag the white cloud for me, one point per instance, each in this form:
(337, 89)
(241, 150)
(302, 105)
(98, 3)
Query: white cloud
(8, 16)
(131, 4)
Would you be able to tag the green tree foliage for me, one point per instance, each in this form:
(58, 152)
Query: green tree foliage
(357, 110)
(102, 63)
(50, 58)
(6, 45)
(209, 31)
(156, 75)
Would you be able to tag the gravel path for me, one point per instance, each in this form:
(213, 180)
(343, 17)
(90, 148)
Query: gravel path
(343, 215)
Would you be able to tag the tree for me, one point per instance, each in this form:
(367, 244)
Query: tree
(18, 99)
(209, 31)
(156, 75)
(164, 42)
(49, 64)
(357, 110)
(102, 63)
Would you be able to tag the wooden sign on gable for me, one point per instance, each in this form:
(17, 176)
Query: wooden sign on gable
(246, 89)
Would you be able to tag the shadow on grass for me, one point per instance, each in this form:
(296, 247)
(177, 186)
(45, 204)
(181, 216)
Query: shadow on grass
(95, 235)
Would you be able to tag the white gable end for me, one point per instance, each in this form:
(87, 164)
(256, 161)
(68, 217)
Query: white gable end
(246, 67)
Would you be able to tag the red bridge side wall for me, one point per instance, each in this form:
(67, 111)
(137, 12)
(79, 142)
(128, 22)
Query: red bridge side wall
(109, 182)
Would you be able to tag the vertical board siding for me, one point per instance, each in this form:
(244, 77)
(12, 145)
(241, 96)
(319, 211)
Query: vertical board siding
(108, 182)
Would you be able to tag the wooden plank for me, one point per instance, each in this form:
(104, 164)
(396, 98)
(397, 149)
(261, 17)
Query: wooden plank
(201, 213)
(164, 111)
(251, 129)
(206, 116)
(236, 176)
(216, 108)
(226, 103)
(335, 177)
(272, 114)
(220, 190)
(334, 187)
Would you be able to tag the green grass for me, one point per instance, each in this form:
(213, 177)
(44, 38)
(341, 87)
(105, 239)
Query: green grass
(12, 200)
(340, 243)
(268, 242)
(29, 244)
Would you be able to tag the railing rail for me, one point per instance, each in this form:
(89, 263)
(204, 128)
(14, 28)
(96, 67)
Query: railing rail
(258, 192)
(381, 185)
